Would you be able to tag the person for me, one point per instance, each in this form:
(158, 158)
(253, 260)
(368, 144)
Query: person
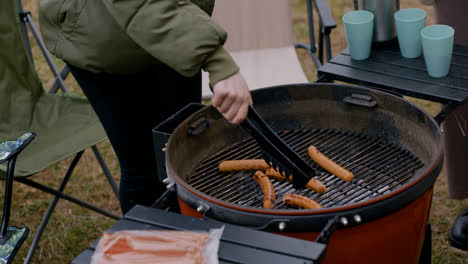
(138, 62)
(451, 12)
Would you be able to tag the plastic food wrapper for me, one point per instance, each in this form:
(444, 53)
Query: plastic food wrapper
(162, 247)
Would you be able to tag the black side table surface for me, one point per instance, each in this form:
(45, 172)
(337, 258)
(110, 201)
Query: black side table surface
(386, 69)
(238, 244)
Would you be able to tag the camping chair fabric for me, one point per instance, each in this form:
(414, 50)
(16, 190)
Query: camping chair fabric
(64, 124)
(9, 148)
(11, 246)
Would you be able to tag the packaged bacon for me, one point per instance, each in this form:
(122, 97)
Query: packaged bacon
(162, 247)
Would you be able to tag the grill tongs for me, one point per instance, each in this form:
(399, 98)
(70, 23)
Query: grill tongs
(276, 152)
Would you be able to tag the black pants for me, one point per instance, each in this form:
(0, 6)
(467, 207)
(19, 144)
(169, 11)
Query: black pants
(129, 107)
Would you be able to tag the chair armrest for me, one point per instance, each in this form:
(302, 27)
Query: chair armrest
(10, 149)
(325, 14)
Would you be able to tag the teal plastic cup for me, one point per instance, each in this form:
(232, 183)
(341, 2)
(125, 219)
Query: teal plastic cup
(359, 26)
(437, 43)
(409, 23)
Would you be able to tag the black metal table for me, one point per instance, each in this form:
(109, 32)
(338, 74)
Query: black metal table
(386, 69)
(238, 244)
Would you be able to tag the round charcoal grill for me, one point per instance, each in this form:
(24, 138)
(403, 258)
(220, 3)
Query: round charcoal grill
(379, 167)
(393, 148)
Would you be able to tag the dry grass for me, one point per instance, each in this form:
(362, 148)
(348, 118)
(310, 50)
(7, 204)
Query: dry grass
(72, 228)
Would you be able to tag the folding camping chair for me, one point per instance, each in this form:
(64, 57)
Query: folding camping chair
(260, 39)
(65, 125)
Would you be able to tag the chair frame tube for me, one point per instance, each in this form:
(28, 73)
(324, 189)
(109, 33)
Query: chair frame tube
(8, 195)
(57, 195)
(326, 24)
(27, 18)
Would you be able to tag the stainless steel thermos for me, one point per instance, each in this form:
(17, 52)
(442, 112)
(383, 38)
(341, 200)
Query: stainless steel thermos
(384, 24)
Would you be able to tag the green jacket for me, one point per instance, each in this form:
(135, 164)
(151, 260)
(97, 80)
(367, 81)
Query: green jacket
(126, 36)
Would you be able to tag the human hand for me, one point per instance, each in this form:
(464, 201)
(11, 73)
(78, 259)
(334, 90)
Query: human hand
(232, 98)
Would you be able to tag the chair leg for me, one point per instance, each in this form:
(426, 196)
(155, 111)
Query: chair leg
(57, 195)
(41, 228)
(24, 31)
(27, 18)
(310, 20)
(328, 46)
(68, 198)
(106, 170)
(312, 48)
(51, 208)
(320, 55)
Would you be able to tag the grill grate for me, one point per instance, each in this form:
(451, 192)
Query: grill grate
(379, 168)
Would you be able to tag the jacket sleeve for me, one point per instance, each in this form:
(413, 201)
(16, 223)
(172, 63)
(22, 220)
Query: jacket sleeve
(176, 32)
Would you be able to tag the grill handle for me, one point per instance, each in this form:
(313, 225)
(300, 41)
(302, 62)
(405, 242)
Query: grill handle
(167, 201)
(163, 131)
(280, 225)
(273, 224)
(328, 230)
(361, 100)
(198, 125)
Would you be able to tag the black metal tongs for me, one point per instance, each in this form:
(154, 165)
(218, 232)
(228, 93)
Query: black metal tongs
(276, 151)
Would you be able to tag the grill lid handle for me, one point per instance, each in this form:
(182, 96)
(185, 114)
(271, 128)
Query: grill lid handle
(275, 151)
(197, 126)
(360, 99)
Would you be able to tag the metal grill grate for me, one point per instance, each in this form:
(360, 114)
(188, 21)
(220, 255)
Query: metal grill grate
(378, 167)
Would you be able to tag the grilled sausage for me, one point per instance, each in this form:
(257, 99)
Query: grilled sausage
(274, 174)
(329, 165)
(242, 165)
(313, 184)
(300, 201)
(268, 190)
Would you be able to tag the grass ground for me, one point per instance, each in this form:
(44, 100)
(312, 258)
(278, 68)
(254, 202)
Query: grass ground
(72, 228)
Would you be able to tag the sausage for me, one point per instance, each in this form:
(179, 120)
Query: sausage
(274, 174)
(313, 184)
(242, 165)
(329, 165)
(300, 201)
(268, 190)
